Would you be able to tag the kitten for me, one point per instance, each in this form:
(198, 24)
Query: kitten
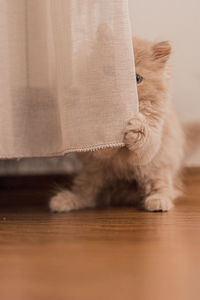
(147, 170)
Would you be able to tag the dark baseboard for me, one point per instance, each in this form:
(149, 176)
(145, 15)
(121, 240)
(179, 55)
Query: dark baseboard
(30, 190)
(36, 190)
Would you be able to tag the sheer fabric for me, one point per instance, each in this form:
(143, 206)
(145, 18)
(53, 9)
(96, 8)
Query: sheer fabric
(67, 79)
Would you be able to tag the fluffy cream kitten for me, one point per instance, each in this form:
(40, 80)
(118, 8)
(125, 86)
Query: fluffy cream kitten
(147, 170)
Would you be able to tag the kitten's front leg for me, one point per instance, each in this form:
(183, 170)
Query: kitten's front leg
(141, 139)
(83, 194)
(136, 132)
(161, 194)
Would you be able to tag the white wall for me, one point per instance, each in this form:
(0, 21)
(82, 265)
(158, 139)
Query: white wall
(178, 21)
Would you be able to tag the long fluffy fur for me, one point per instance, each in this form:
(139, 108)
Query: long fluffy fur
(147, 171)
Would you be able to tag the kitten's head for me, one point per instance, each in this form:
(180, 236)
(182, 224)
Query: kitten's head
(150, 62)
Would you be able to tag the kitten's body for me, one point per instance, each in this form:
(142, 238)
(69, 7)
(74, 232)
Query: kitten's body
(147, 170)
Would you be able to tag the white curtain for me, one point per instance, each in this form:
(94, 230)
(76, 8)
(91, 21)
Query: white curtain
(67, 79)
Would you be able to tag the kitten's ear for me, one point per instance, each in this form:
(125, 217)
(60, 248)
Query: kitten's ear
(161, 51)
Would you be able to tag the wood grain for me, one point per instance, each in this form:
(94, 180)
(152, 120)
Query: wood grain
(116, 253)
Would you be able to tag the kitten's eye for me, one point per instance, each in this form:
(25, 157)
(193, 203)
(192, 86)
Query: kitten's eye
(139, 78)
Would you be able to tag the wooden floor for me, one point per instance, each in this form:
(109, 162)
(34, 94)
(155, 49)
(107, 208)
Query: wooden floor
(116, 253)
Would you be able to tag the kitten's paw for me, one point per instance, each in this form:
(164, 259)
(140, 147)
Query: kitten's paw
(64, 201)
(156, 203)
(135, 132)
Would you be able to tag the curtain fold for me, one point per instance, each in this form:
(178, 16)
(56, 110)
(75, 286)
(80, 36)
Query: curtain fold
(67, 78)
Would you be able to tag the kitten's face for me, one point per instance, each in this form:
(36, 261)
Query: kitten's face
(150, 63)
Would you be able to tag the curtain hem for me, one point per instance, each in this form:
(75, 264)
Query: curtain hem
(67, 151)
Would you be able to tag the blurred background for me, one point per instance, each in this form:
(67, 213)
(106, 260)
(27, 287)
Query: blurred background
(174, 20)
